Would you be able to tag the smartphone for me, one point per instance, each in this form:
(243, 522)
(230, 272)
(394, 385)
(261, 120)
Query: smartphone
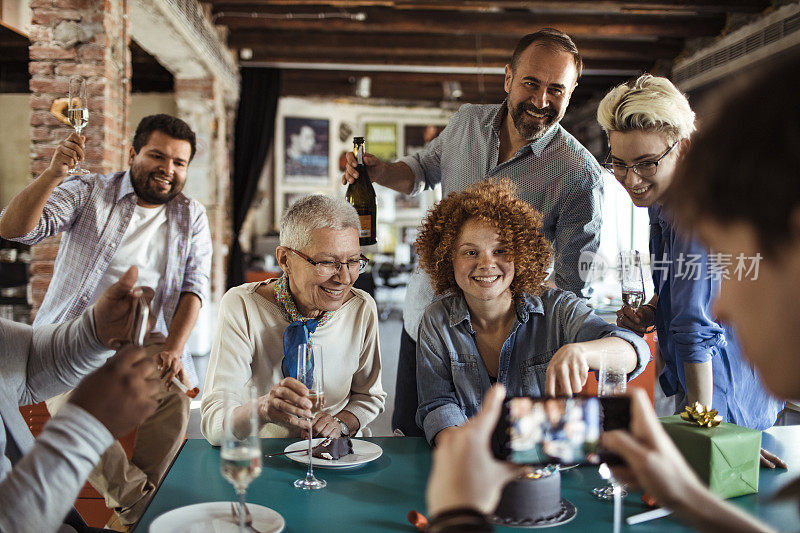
(141, 315)
(540, 431)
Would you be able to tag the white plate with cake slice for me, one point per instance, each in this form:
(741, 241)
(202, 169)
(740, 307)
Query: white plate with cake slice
(363, 453)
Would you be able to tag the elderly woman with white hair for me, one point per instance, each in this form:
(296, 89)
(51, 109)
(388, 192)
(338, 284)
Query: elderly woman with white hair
(314, 298)
(649, 122)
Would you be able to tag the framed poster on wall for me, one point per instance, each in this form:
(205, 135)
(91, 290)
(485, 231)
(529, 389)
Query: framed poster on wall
(381, 138)
(306, 150)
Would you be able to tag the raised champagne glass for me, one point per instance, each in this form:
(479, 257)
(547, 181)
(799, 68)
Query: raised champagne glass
(240, 452)
(309, 373)
(78, 112)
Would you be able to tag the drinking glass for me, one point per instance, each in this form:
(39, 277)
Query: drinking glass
(240, 452)
(611, 381)
(309, 372)
(78, 112)
(630, 275)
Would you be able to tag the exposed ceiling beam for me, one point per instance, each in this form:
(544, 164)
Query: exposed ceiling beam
(457, 23)
(640, 6)
(491, 47)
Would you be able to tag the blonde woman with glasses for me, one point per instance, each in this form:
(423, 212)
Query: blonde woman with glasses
(649, 124)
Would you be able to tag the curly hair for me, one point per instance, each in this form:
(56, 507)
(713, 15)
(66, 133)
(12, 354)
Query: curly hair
(492, 201)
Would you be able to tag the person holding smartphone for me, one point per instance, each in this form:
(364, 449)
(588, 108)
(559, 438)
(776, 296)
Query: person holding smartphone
(649, 123)
(497, 322)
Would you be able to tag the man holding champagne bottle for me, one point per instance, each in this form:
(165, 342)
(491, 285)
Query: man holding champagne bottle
(519, 139)
(135, 217)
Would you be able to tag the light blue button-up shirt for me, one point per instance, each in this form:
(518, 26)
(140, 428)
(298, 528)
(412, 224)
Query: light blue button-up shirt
(689, 333)
(451, 375)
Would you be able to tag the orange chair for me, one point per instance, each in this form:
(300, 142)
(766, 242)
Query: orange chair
(90, 504)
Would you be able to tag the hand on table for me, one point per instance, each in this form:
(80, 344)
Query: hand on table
(287, 404)
(465, 472)
(567, 371)
(121, 393)
(639, 321)
(770, 460)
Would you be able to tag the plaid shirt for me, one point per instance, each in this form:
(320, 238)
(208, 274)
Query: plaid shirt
(93, 211)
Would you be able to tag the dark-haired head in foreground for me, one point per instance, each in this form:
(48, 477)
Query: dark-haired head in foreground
(739, 188)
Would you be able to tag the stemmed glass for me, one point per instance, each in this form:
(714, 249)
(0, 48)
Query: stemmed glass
(631, 279)
(78, 112)
(309, 372)
(611, 381)
(240, 453)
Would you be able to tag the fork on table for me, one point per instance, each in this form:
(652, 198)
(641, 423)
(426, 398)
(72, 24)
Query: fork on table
(248, 518)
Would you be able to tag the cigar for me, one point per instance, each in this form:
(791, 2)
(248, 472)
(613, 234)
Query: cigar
(190, 392)
(647, 516)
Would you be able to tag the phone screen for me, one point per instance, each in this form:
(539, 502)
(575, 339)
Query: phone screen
(535, 431)
(140, 323)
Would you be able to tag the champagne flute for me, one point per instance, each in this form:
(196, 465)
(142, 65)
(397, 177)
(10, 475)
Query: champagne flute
(611, 381)
(309, 372)
(630, 264)
(240, 453)
(78, 112)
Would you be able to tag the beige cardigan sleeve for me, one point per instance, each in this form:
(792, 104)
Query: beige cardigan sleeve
(229, 362)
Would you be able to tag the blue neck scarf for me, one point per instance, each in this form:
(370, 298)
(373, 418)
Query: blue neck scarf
(298, 331)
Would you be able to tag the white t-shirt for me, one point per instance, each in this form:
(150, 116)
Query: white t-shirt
(144, 245)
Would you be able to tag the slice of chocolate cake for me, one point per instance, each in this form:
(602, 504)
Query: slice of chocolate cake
(333, 449)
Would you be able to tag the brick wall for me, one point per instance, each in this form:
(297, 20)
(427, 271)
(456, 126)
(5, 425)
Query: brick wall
(201, 103)
(88, 38)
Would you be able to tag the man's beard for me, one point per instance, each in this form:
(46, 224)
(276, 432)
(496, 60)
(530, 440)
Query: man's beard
(528, 129)
(140, 180)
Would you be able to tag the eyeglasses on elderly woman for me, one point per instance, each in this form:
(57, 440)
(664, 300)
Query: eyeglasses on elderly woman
(331, 268)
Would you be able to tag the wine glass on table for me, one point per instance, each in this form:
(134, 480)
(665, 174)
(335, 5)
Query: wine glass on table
(631, 279)
(309, 373)
(78, 112)
(240, 453)
(611, 381)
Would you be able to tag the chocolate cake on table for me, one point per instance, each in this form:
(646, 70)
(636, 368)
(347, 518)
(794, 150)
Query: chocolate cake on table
(534, 500)
(333, 449)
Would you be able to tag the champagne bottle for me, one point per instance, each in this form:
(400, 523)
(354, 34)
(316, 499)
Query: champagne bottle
(361, 195)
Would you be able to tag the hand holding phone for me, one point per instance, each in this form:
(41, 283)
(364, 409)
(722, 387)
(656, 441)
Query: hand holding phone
(539, 431)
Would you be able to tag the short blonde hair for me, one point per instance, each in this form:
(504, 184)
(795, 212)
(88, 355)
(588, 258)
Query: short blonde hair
(650, 103)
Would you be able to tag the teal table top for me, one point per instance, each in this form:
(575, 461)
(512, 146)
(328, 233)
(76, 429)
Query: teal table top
(377, 496)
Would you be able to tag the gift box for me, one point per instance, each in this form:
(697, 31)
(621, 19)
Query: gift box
(725, 457)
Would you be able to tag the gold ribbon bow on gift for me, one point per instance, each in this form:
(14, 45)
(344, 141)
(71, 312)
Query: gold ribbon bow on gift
(703, 416)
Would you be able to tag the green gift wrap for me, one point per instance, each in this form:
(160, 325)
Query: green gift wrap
(726, 457)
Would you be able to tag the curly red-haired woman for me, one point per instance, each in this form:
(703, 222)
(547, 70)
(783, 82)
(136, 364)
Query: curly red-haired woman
(496, 321)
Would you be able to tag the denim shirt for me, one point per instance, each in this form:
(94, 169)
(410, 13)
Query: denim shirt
(451, 376)
(686, 287)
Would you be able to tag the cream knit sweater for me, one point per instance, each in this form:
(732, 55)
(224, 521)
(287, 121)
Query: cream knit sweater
(248, 348)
